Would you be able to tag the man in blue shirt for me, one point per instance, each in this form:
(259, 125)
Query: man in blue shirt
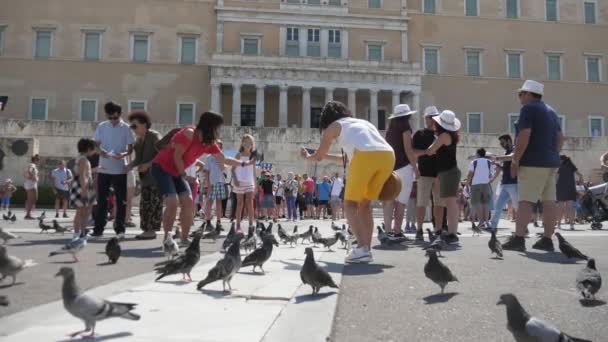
(508, 183)
(323, 189)
(535, 163)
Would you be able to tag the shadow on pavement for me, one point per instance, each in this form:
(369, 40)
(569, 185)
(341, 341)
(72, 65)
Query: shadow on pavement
(439, 298)
(217, 294)
(395, 247)
(555, 257)
(5, 286)
(330, 267)
(153, 252)
(591, 303)
(175, 282)
(27, 243)
(364, 269)
(104, 338)
(310, 297)
(63, 262)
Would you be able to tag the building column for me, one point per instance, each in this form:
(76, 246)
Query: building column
(416, 106)
(283, 105)
(352, 101)
(373, 107)
(306, 107)
(219, 37)
(236, 104)
(215, 97)
(259, 105)
(404, 47)
(329, 94)
(397, 98)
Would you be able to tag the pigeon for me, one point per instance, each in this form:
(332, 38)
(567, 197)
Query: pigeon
(6, 235)
(6, 218)
(343, 239)
(170, 247)
(4, 301)
(291, 239)
(250, 242)
(569, 250)
(281, 232)
(435, 270)
(313, 275)
(495, 246)
(476, 230)
(90, 309)
(42, 216)
(589, 280)
(527, 328)
(212, 235)
(437, 245)
(295, 230)
(335, 227)
(230, 237)
(382, 237)
(330, 241)
(432, 236)
(225, 268)
(73, 247)
(316, 236)
(258, 257)
(306, 235)
(11, 265)
(43, 227)
(13, 218)
(58, 228)
(184, 263)
(113, 250)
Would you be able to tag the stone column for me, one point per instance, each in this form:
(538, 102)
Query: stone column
(215, 97)
(236, 104)
(329, 94)
(306, 107)
(404, 47)
(352, 100)
(259, 105)
(283, 105)
(416, 105)
(397, 98)
(219, 37)
(373, 106)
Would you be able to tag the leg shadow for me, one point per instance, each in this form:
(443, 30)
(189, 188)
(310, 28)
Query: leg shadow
(104, 338)
(591, 303)
(439, 298)
(311, 298)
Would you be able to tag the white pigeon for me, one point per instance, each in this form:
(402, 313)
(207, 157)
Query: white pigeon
(170, 247)
(11, 265)
(73, 247)
(6, 235)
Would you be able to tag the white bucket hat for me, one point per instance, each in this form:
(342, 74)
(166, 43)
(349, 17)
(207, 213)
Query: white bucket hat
(448, 120)
(401, 110)
(431, 111)
(531, 86)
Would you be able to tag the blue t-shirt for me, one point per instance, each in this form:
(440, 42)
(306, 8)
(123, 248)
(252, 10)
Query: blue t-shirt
(115, 139)
(324, 189)
(506, 170)
(543, 148)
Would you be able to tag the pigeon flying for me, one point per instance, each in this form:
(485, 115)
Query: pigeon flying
(184, 263)
(435, 270)
(89, 309)
(73, 247)
(495, 246)
(313, 275)
(589, 280)
(6, 235)
(113, 250)
(258, 257)
(225, 268)
(569, 250)
(527, 328)
(170, 247)
(11, 265)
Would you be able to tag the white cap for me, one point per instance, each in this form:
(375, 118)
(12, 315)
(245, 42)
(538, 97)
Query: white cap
(401, 110)
(431, 111)
(531, 86)
(448, 120)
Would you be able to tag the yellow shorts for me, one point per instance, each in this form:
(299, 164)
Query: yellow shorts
(536, 183)
(366, 174)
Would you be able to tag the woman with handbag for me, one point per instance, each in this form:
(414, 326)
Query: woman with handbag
(150, 202)
(371, 166)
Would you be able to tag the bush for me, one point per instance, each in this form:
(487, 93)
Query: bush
(45, 197)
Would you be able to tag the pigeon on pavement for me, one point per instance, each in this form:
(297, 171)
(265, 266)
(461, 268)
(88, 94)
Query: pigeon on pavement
(58, 228)
(43, 227)
(4, 300)
(569, 250)
(258, 257)
(527, 328)
(13, 218)
(330, 241)
(87, 308)
(5, 235)
(212, 235)
(250, 242)
(230, 237)
(589, 280)
(476, 230)
(6, 217)
(335, 227)
(170, 247)
(225, 268)
(42, 216)
(313, 275)
(432, 236)
(113, 250)
(73, 247)
(435, 270)
(495, 246)
(281, 232)
(11, 265)
(184, 263)
(307, 235)
(316, 236)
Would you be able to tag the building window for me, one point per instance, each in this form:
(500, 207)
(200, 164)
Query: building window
(596, 126)
(374, 3)
(374, 52)
(593, 69)
(551, 10)
(138, 105)
(314, 2)
(248, 115)
(315, 117)
(313, 48)
(514, 65)
(44, 40)
(88, 110)
(474, 122)
(590, 12)
(429, 6)
(513, 117)
(140, 48)
(334, 48)
(187, 50)
(554, 67)
(431, 61)
(39, 108)
(292, 47)
(335, 3)
(92, 46)
(185, 114)
(473, 62)
(512, 9)
(471, 8)
(250, 46)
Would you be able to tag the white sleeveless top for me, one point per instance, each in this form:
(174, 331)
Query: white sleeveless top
(245, 174)
(361, 135)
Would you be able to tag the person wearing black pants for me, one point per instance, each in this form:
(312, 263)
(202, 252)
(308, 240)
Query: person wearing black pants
(119, 184)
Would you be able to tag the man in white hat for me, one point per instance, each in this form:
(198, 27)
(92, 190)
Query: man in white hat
(535, 162)
(399, 136)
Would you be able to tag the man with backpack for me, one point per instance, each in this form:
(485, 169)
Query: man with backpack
(480, 177)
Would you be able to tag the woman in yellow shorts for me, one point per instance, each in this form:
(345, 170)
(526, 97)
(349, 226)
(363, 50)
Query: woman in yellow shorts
(371, 163)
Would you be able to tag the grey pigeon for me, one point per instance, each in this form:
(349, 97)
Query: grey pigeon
(258, 257)
(295, 230)
(212, 235)
(291, 239)
(330, 241)
(11, 265)
(225, 268)
(6, 235)
(87, 308)
(437, 245)
(476, 230)
(435, 270)
(335, 227)
(58, 228)
(316, 236)
(313, 275)
(386, 240)
(184, 263)
(73, 247)
(250, 242)
(495, 246)
(43, 227)
(343, 239)
(42, 216)
(569, 250)
(281, 232)
(432, 236)
(6, 217)
(526, 328)
(230, 237)
(589, 280)
(13, 218)
(113, 250)
(4, 300)
(306, 235)
(170, 247)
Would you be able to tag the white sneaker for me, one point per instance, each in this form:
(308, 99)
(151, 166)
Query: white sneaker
(359, 255)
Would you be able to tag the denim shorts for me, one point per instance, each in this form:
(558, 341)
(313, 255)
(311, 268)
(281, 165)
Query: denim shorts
(308, 198)
(168, 185)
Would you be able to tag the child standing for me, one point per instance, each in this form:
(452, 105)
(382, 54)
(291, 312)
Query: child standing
(244, 180)
(82, 194)
(6, 192)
